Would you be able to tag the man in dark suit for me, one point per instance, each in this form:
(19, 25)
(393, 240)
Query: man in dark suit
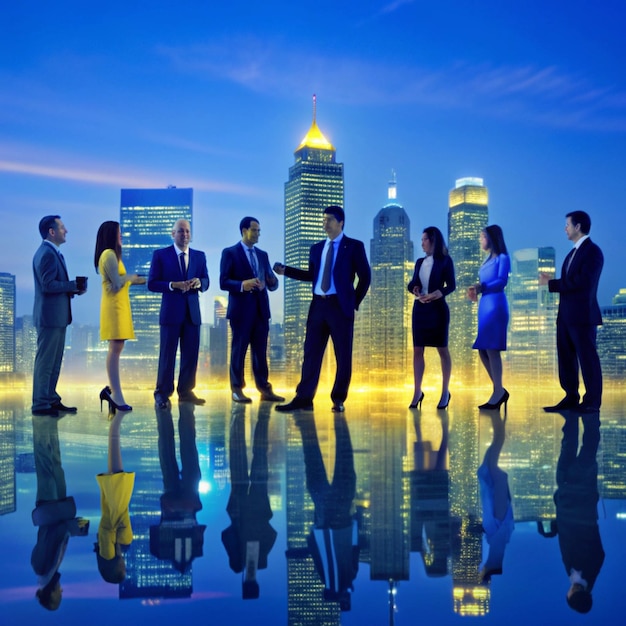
(52, 314)
(246, 274)
(179, 273)
(578, 317)
(333, 265)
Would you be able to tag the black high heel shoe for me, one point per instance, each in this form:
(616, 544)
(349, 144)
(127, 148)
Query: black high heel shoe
(105, 394)
(418, 403)
(492, 406)
(445, 406)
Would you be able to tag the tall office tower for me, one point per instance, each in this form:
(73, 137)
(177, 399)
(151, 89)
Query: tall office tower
(532, 338)
(219, 338)
(7, 322)
(315, 182)
(25, 344)
(467, 216)
(146, 220)
(391, 259)
(612, 338)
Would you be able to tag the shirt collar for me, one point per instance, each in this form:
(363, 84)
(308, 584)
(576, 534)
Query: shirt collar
(337, 239)
(179, 251)
(54, 246)
(580, 241)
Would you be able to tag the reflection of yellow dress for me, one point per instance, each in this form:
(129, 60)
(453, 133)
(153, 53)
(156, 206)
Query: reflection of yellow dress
(115, 492)
(116, 321)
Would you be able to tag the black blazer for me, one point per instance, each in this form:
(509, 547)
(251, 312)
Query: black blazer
(234, 269)
(351, 262)
(578, 287)
(441, 276)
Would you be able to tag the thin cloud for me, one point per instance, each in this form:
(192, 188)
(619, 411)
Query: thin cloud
(491, 89)
(118, 179)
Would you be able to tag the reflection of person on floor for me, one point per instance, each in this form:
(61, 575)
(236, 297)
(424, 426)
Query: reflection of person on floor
(333, 540)
(250, 537)
(178, 537)
(115, 533)
(495, 497)
(54, 513)
(576, 500)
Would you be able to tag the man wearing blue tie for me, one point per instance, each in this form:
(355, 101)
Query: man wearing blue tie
(179, 274)
(246, 274)
(578, 317)
(52, 314)
(334, 263)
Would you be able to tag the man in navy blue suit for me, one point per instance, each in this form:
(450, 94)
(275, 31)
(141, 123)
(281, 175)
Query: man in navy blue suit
(334, 263)
(578, 317)
(179, 273)
(246, 274)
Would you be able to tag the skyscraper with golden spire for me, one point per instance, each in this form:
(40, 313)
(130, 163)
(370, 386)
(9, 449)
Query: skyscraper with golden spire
(315, 182)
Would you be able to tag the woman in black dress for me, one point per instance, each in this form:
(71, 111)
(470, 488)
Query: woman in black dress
(432, 281)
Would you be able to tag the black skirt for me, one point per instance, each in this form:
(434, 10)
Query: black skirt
(430, 323)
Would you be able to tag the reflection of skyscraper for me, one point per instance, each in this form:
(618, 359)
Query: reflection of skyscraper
(532, 338)
(315, 182)
(467, 216)
(612, 338)
(7, 322)
(391, 258)
(146, 220)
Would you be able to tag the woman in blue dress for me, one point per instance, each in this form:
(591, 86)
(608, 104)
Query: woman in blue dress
(493, 311)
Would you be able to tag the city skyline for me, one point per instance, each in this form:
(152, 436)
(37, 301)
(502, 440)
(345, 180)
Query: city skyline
(217, 99)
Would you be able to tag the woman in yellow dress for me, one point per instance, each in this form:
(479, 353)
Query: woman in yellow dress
(116, 322)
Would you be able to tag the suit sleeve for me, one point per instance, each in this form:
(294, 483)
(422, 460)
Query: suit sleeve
(156, 280)
(48, 271)
(449, 280)
(203, 273)
(271, 280)
(226, 271)
(415, 281)
(363, 272)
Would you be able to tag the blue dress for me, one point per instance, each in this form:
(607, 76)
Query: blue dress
(493, 310)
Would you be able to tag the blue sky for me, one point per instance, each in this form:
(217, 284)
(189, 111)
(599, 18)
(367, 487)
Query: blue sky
(95, 97)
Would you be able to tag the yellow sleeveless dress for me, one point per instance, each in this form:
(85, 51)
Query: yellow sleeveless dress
(116, 321)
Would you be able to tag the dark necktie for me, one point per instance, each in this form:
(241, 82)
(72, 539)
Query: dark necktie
(253, 262)
(571, 258)
(328, 266)
(183, 266)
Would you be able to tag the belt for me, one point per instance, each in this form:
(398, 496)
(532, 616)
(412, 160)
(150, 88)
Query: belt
(328, 297)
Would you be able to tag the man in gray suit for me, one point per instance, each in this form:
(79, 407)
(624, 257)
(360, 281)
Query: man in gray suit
(51, 315)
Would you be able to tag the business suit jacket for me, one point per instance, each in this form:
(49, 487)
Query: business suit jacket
(441, 276)
(578, 286)
(53, 289)
(234, 269)
(175, 304)
(351, 262)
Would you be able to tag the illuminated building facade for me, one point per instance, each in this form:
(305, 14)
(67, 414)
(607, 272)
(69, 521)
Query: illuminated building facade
(219, 338)
(532, 335)
(315, 182)
(612, 338)
(391, 260)
(146, 220)
(467, 216)
(25, 344)
(7, 322)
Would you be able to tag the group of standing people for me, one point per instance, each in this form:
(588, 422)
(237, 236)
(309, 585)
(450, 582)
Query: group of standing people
(577, 319)
(340, 276)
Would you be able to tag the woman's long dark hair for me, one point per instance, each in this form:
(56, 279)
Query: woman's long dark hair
(495, 239)
(436, 238)
(107, 239)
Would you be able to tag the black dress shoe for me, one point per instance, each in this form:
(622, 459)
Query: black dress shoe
(49, 412)
(191, 397)
(567, 404)
(338, 407)
(270, 396)
(297, 404)
(238, 396)
(59, 406)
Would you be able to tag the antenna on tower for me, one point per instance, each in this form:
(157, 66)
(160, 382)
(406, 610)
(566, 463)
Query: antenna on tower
(392, 190)
(314, 107)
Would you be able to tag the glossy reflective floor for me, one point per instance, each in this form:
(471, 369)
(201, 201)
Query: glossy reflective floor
(381, 499)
